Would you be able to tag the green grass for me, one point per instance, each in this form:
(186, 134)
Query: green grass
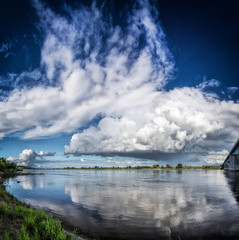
(6, 235)
(20, 222)
(4, 209)
(23, 234)
(35, 223)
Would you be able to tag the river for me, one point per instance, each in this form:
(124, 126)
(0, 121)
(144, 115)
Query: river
(137, 204)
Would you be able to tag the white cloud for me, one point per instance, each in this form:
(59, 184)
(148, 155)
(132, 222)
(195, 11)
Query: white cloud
(183, 119)
(82, 160)
(87, 86)
(27, 155)
(30, 155)
(216, 157)
(11, 159)
(112, 75)
(46, 153)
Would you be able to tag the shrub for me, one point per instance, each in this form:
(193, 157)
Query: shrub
(8, 167)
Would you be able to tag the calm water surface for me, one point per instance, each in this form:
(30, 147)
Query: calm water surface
(121, 204)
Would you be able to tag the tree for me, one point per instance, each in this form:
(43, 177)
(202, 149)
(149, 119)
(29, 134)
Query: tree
(8, 167)
(179, 165)
(168, 165)
(156, 166)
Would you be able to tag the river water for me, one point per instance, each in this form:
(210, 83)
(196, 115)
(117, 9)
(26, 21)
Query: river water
(143, 204)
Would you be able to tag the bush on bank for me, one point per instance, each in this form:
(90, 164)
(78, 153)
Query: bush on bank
(8, 167)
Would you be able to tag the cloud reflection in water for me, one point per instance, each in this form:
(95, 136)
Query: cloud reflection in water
(140, 204)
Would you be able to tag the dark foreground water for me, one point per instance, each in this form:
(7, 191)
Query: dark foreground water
(121, 204)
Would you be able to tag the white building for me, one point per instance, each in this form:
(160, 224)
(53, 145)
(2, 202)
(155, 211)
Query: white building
(231, 163)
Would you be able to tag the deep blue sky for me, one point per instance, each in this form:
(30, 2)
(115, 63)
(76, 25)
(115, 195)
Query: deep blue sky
(202, 37)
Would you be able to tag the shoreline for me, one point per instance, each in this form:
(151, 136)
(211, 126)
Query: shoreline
(131, 168)
(18, 220)
(69, 229)
(11, 223)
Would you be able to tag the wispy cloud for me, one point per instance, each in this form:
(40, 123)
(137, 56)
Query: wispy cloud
(91, 68)
(232, 90)
(209, 83)
(5, 48)
(89, 78)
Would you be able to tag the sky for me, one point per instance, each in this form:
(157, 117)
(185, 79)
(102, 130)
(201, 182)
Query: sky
(118, 82)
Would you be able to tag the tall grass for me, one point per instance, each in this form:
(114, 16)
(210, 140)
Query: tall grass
(4, 209)
(23, 234)
(32, 223)
(36, 224)
(6, 235)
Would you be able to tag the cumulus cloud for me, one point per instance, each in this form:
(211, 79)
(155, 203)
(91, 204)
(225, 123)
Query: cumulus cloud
(182, 120)
(27, 155)
(31, 155)
(12, 159)
(216, 157)
(96, 68)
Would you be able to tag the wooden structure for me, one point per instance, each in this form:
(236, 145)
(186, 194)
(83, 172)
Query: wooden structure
(231, 162)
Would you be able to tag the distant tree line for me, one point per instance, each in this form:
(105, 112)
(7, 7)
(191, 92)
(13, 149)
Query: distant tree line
(156, 166)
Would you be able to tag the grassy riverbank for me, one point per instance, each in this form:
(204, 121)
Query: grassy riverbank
(20, 222)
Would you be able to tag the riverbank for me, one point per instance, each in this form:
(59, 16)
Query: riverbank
(128, 204)
(20, 222)
(154, 167)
